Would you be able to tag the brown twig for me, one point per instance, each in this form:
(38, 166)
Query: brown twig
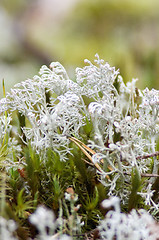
(84, 149)
(148, 155)
(145, 174)
(89, 163)
(149, 175)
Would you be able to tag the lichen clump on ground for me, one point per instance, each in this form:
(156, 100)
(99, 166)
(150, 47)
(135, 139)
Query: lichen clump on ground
(94, 135)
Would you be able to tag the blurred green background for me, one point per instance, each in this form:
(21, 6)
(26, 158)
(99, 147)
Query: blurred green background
(123, 32)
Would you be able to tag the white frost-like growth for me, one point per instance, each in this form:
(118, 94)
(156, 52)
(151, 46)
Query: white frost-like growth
(121, 226)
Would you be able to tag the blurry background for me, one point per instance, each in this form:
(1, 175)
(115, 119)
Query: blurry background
(123, 32)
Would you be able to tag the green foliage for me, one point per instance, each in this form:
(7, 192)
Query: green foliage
(22, 205)
(135, 188)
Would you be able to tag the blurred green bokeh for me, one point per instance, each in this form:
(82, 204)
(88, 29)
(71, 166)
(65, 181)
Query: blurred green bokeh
(123, 32)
